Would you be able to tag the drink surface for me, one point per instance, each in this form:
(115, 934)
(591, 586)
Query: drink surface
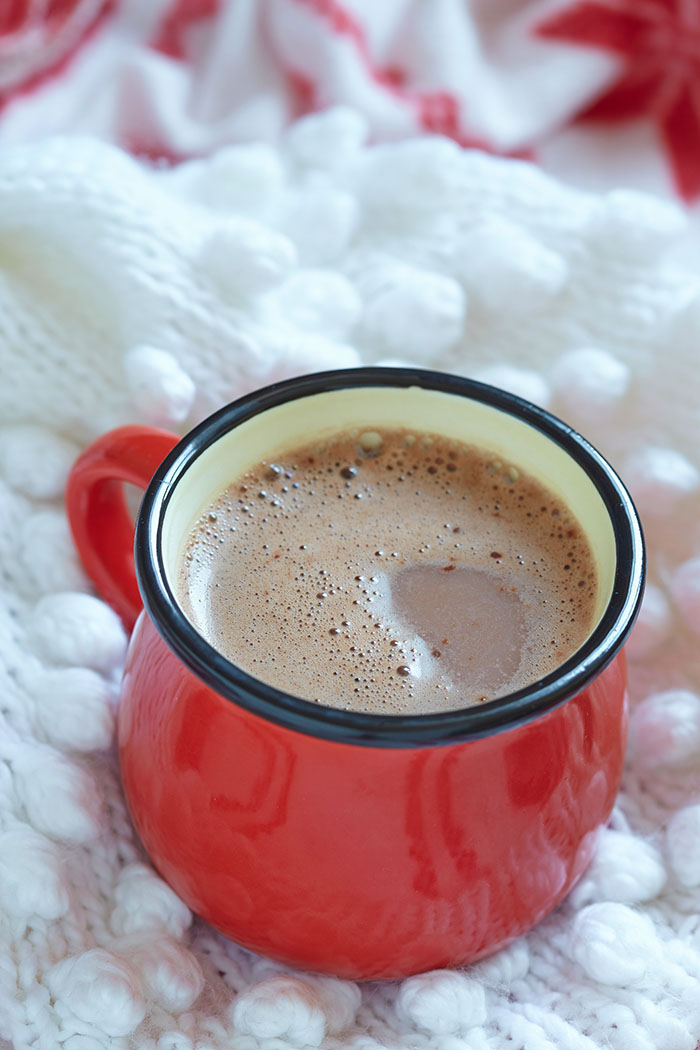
(390, 572)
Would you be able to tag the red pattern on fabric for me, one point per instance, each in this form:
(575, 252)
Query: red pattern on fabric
(438, 112)
(149, 150)
(59, 10)
(19, 15)
(303, 94)
(13, 15)
(659, 44)
(395, 76)
(680, 130)
(170, 38)
(341, 21)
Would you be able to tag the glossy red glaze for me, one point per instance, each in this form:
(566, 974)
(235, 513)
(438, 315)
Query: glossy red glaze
(98, 513)
(362, 861)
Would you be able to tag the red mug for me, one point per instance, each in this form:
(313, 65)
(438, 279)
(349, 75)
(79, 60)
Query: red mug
(361, 845)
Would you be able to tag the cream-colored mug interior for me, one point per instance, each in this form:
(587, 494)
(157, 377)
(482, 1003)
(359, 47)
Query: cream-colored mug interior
(297, 422)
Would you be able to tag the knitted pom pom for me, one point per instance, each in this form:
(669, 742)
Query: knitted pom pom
(161, 391)
(284, 1008)
(685, 591)
(441, 1002)
(74, 707)
(683, 845)
(317, 301)
(244, 178)
(168, 971)
(340, 1001)
(505, 269)
(636, 225)
(652, 626)
(59, 797)
(505, 966)
(659, 478)
(32, 878)
(519, 381)
(590, 382)
(331, 138)
(35, 460)
(295, 355)
(416, 312)
(664, 729)
(145, 903)
(245, 258)
(77, 629)
(321, 221)
(411, 180)
(613, 944)
(47, 553)
(624, 868)
(99, 988)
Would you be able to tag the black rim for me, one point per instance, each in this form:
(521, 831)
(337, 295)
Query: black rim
(393, 730)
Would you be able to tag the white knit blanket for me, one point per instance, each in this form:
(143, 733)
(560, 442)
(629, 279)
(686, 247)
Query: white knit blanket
(132, 295)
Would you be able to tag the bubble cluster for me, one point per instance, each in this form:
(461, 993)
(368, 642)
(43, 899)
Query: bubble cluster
(391, 572)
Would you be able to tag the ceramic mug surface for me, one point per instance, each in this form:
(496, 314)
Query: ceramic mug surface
(355, 844)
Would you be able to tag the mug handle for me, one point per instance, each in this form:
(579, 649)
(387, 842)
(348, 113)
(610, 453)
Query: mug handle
(98, 514)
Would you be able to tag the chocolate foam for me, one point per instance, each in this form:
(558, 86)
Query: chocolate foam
(390, 572)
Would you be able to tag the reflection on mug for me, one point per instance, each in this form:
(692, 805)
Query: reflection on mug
(256, 799)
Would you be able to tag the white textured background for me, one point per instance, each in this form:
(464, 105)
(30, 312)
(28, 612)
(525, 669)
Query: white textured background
(129, 295)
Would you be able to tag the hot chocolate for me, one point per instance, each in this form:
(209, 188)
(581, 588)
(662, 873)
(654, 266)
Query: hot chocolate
(390, 572)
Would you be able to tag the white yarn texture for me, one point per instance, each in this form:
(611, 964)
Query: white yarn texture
(127, 295)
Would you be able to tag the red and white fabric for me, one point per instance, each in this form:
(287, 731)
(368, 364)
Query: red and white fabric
(599, 91)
